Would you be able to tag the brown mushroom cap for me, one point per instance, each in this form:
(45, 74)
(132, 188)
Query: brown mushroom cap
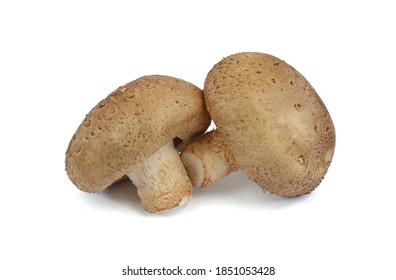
(131, 124)
(274, 123)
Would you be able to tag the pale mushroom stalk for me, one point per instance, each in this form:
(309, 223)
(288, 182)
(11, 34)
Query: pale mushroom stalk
(208, 159)
(162, 180)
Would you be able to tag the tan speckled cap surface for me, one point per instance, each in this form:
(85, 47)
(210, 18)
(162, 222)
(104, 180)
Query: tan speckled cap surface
(275, 124)
(131, 124)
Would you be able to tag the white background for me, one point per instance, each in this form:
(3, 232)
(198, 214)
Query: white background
(60, 58)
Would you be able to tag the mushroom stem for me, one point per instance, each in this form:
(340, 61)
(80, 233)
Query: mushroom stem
(161, 180)
(207, 160)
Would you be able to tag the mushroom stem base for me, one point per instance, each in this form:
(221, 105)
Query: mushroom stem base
(162, 182)
(207, 160)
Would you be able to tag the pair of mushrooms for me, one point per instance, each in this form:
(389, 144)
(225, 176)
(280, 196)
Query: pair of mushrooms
(270, 123)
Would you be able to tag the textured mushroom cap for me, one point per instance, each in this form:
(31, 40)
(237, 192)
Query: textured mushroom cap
(131, 124)
(274, 123)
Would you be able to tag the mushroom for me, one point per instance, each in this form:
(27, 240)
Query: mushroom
(270, 123)
(137, 131)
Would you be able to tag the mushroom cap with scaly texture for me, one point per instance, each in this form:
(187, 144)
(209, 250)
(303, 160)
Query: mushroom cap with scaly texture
(131, 124)
(274, 123)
